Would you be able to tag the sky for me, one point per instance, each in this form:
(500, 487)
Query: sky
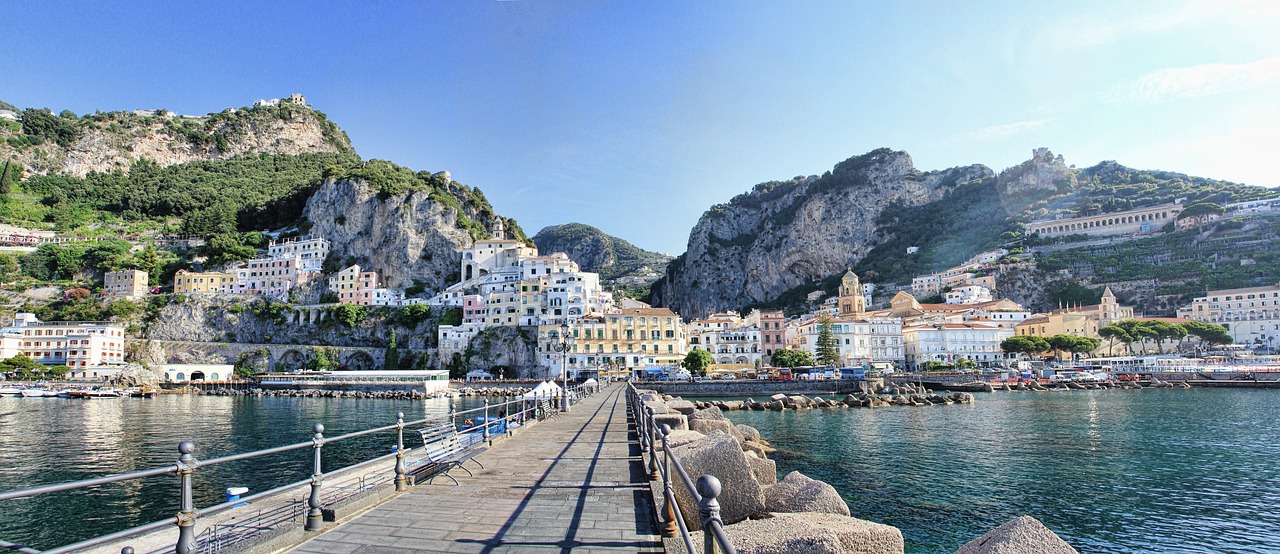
(636, 117)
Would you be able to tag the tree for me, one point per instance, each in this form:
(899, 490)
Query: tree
(697, 361)
(225, 248)
(1161, 331)
(349, 315)
(392, 355)
(1114, 333)
(19, 365)
(828, 350)
(58, 371)
(790, 358)
(457, 366)
(1208, 333)
(1023, 344)
(323, 360)
(9, 268)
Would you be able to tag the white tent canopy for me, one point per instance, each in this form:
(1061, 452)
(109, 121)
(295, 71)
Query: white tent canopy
(546, 389)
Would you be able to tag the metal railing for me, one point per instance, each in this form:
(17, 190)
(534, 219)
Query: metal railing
(511, 415)
(654, 438)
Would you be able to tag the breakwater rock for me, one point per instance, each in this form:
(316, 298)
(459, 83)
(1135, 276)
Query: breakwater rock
(765, 515)
(782, 402)
(492, 391)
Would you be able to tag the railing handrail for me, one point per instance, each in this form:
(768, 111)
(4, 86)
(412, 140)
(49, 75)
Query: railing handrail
(187, 464)
(714, 537)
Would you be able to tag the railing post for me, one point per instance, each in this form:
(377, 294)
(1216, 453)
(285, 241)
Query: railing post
(653, 454)
(186, 518)
(640, 429)
(668, 529)
(486, 421)
(453, 414)
(709, 510)
(401, 482)
(315, 517)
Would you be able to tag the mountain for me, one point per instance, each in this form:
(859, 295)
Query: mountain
(786, 233)
(618, 262)
(410, 227)
(68, 144)
(773, 246)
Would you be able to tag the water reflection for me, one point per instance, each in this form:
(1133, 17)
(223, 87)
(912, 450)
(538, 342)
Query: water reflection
(50, 440)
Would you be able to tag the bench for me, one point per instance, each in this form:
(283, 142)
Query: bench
(444, 449)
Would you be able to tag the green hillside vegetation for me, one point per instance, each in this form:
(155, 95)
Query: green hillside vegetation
(216, 130)
(1178, 262)
(209, 197)
(1110, 187)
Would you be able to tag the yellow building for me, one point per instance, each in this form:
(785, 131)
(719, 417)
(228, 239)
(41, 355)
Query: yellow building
(628, 338)
(126, 283)
(1058, 323)
(209, 282)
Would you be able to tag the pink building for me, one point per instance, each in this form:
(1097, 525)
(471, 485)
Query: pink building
(354, 286)
(473, 308)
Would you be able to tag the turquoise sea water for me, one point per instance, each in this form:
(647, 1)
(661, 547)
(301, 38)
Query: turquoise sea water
(52, 440)
(1171, 470)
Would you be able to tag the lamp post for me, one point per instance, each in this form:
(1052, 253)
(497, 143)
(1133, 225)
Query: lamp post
(563, 348)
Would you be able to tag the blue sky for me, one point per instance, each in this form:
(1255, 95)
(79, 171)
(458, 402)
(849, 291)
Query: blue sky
(635, 117)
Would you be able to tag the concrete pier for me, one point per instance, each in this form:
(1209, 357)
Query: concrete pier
(570, 484)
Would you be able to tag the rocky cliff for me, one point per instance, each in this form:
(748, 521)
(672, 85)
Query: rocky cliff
(616, 260)
(107, 141)
(412, 237)
(783, 234)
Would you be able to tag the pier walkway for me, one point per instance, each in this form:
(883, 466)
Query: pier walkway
(573, 483)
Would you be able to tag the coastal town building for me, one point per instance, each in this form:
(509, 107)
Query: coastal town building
(93, 350)
(309, 252)
(862, 341)
(951, 343)
(473, 308)
(453, 339)
(126, 283)
(628, 338)
(968, 294)
(207, 282)
(773, 331)
(1081, 321)
(851, 296)
(1137, 221)
(353, 285)
(1251, 315)
(269, 277)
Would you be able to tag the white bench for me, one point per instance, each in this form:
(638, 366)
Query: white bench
(443, 450)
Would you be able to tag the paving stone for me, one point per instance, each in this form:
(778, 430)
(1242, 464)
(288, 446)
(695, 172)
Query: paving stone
(534, 494)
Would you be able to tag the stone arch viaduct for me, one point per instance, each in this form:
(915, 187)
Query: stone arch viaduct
(289, 356)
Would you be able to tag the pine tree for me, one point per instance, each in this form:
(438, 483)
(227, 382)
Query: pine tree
(393, 354)
(828, 351)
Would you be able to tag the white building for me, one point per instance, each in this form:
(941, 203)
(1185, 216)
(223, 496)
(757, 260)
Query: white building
(1251, 315)
(861, 341)
(309, 251)
(968, 294)
(94, 350)
(951, 342)
(455, 338)
(269, 277)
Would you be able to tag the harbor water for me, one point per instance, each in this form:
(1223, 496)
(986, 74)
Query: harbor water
(52, 440)
(1168, 470)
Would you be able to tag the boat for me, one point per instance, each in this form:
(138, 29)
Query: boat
(139, 392)
(37, 392)
(96, 392)
(10, 391)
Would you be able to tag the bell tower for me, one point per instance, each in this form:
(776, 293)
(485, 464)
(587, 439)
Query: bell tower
(851, 301)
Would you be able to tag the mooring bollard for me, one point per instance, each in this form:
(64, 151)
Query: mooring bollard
(669, 528)
(186, 517)
(126, 550)
(709, 510)
(315, 517)
(401, 482)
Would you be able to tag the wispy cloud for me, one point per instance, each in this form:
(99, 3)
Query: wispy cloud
(997, 133)
(1197, 81)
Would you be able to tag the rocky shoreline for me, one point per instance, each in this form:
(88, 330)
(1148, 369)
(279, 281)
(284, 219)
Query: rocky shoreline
(797, 514)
